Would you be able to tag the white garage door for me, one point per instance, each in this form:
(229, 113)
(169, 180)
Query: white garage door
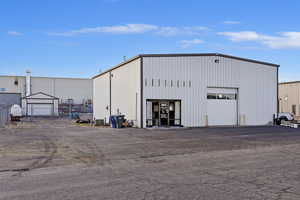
(222, 107)
(42, 109)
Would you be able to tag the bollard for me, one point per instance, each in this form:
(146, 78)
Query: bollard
(206, 120)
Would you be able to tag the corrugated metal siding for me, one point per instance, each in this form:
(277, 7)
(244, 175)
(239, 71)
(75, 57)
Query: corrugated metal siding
(10, 99)
(7, 84)
(64, 88)
(256, 83)
(4, 114)
(101, 97)
(289, 94)
(125, 92)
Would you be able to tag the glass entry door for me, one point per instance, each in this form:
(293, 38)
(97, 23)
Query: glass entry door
(163, 113)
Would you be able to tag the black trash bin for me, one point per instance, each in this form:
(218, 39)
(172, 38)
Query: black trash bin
(119, 121)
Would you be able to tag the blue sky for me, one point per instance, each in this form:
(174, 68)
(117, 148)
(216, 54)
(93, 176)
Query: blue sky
(79, 38)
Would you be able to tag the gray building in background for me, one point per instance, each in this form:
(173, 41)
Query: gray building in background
(72, 94)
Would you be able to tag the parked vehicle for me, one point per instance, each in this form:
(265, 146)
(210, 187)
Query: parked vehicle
(84, 118)
(15, 113)
(285, 116)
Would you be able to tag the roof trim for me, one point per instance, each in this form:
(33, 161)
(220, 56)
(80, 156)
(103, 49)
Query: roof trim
(289, 82)
(117, 66)
(186, 55)
(27, 97)
(48, 77)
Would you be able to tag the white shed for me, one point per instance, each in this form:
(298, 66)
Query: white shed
(192, 90)
(40, 104)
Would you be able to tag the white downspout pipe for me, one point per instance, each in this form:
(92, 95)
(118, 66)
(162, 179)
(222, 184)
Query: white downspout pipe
(28, 83)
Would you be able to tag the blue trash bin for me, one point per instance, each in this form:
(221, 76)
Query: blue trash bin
(113, 121)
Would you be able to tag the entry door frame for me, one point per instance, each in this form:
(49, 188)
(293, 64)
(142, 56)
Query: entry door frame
(164, 100)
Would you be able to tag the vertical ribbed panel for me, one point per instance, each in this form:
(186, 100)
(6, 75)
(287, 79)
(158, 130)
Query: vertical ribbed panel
(101, 97)
(256, 83)
(125, 91)
(289, 95)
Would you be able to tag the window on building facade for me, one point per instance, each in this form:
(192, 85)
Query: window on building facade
(221, 96)
(211, 96)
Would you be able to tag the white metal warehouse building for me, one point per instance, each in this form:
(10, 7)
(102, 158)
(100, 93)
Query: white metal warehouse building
(43, 96)
(191, 90)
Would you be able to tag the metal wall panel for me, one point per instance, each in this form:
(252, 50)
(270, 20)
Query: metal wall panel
(289, 95)
(64, 88)
(10, 99)
(101, 96)
(124, 90)
(4, 115)
(256, 83)
(12, 84)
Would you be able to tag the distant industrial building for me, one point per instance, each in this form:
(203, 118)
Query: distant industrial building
(191, 90)
(289, 97)
(46, 96)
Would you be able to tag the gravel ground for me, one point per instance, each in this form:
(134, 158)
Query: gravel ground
(56, 159)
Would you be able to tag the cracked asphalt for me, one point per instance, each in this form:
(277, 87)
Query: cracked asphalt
(56, 159)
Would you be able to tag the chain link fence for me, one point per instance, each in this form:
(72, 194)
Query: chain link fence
(4, 115)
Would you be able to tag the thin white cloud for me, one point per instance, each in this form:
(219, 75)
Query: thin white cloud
(171, 31)
(14, 33)
(121, 29)
(285, 40)
(241, 36)
(231, 22)
(135, 29)
(189, 43)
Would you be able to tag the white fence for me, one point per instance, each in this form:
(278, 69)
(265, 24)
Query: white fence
(4, 115)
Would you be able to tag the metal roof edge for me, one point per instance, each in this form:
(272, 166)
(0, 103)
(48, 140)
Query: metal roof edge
(25, 97)
(210, 54)
(289, 82)
(117, 66)
(49, 77)
(184, 55)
